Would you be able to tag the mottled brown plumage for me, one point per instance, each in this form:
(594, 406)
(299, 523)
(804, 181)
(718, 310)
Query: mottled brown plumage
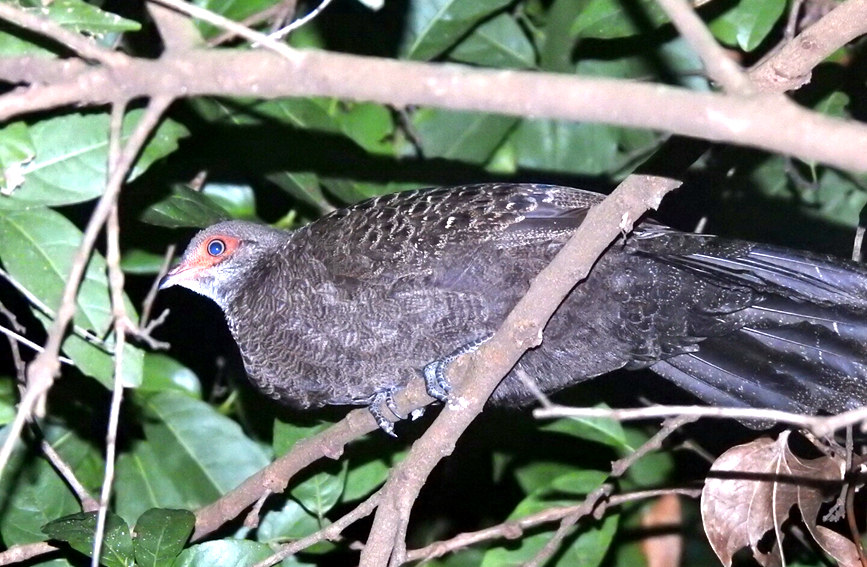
(358, 302)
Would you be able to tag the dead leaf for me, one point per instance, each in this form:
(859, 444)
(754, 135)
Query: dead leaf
(751, 492)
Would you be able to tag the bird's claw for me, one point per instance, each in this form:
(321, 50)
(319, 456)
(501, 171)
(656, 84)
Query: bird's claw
(435, 380)
(384, 397)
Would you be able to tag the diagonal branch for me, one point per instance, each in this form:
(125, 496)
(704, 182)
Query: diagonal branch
(521, 330)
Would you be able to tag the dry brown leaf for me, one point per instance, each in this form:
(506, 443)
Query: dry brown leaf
(751, 491)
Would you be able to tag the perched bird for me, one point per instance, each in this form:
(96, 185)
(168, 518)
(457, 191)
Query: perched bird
(349, 308)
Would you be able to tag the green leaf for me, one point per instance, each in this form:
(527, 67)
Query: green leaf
(292, 522)
(223, 553)
(835, 104)
(185, 208)
(78, 531)
(303, 186)
(94, 361)
(578, 483)
(363, 479)
(31, 491)
(286, 435)
(611, 19)
(38, 248)
(141, 262)
(463, 136)
(749, 23)
(596, 429)
(16, 150)
(160, 535)
(537, 475)
(162, 372)
(499, 42)
(232, 9)
(142, 482)
(579, 148)
(80, 16)
(8, 399)
(205, 453)
(322, 491)
(71, 157)
(237, 200)
(436, 25)
(370, 126)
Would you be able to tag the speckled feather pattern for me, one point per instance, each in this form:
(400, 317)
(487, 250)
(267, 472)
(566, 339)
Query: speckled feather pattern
(364, 297)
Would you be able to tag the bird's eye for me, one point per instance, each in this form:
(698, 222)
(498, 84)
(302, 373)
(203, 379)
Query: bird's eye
(216, 247)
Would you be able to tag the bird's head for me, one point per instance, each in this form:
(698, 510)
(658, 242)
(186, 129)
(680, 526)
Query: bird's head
(219, 257)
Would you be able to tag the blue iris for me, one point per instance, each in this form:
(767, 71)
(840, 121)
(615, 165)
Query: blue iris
(216, 247)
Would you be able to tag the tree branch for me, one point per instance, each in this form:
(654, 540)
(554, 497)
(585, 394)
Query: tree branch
(751, 121)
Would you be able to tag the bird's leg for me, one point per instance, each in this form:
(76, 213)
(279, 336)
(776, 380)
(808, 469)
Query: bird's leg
(435, 380)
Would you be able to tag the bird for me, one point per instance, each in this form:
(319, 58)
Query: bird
(349, 308)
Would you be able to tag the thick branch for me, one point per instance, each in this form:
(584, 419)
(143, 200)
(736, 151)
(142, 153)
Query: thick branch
(753, 121)
(790, 68)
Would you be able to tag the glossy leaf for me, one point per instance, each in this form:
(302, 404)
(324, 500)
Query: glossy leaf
(33, 494)
(748, 23)
(141, 262)
(499, 42)
(185, 208)
(462, 136)
(16, 150)
(303, 186)
(436, 25)
(71, 157)
(38, 250)
(143, 482)
(236, 199)
(183, 431)
(600, 430)
(80, 16)
(292, 522)
(580, 148)
(223, 553)
(161, 372)
(78, 530)
(322, 491)
(160, 535)
(610, 19)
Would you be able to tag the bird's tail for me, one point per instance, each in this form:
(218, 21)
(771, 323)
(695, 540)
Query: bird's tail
(802, 346)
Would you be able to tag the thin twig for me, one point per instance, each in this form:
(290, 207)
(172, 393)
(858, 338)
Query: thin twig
(819, 425)
(720, 67)
(48, 312)
(276, 11)
(88, 502)
(236, 28)
(620, 466)
(328, 533)
(281, 33)
(16, 338)
(120, 318)
(514, 529)
(41, 372)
